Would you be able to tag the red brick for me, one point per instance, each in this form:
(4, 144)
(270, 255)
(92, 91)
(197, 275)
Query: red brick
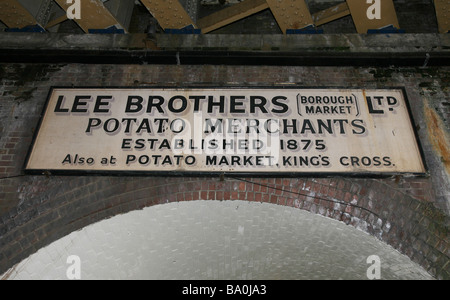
(264, 189)
(278, 191)
(273, 199)
(258, 197)
(180, 197)
(250, 196)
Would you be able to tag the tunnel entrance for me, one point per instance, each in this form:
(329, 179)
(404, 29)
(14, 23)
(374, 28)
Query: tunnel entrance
(217, 240)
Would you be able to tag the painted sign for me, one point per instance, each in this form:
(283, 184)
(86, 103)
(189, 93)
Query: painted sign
(226, 130)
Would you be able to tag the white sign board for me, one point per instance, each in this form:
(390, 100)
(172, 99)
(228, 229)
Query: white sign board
(263, 131)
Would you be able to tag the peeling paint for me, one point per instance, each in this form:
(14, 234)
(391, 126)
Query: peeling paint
(438, 136)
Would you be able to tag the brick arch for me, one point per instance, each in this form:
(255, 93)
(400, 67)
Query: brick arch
(57, 206)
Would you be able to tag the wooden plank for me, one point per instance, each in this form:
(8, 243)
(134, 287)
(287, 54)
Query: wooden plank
(358, 10)
(231, 14)
(443, 15)
(94, 15)
(169, 14)
(291, 14)
(331, 14)
(14, 15)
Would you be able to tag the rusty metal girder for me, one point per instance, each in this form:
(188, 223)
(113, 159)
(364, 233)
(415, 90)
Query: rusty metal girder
(94, 15)
(443, 15)
(169, 14)
(14, 15)
(291, 14)
(23, 13)
(231, 14)
(331, 14)
(359, 8)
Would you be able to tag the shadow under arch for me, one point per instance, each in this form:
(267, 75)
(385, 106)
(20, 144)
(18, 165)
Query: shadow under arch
(217, 240)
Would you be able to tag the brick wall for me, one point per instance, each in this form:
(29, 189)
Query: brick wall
(411, 214)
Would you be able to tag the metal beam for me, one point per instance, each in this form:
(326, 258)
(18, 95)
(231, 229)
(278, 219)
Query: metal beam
(169, 14)
(291, 14)
(14, 15)
(231, 14)
(331, 14)
(359, 9)
(443, 15)
(94, 15)
(56, 21)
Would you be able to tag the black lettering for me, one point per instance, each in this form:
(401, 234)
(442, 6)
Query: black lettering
(310, 109)
(286, 126)
(110, 129)
(325, 161)
(128, 122)
(161, 123)
(327, 126)
(366, 161)
(341, 160)
(212, 104)
(355, 161)
(268, 127)
(134, 104)
(99, 103)
(79, 106)
(360, 126)
(255, 127)
(144, 127)
(371, 108)
(234, 103)
(157, 104)
(165, 145)
(261, 104)
(341, 123)
(211, 160)
(67, 159)
(284, 108)
(126, 144)
(140, 144)
(59, 105)
(93, 123)
(387, 161)
(211, 128)
(167, 160)
(307, 126)
(183, 107)
(376, 161)
(197, 102)
(287, 161)
(130, 159)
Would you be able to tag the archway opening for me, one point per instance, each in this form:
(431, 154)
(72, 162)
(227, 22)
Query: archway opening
(213, 240)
